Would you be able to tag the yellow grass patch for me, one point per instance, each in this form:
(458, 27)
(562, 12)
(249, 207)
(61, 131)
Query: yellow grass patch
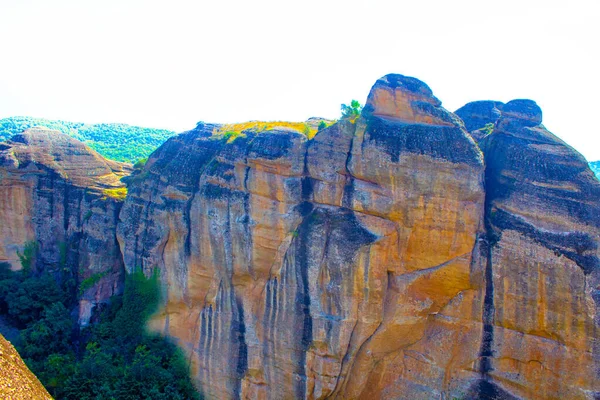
(116, 193)
(233, 131)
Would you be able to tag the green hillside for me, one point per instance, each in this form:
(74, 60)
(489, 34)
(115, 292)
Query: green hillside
(595, 165)
(120, 142)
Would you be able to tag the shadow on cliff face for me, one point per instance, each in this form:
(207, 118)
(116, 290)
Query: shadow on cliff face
(486, 390)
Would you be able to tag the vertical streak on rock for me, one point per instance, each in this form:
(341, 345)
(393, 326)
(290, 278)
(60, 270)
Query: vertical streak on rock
(485, 388)
(186, 218)
(242, 361)
(50, 197)
(205, 338)
(247, 219)
(303, 302)
(303, 295)
(66, 210)
(487, 340)
(268, 323)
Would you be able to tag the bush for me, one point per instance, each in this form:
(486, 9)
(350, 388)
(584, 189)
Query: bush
(352, 111)
(28, 256)
(140, 163)
(91, 281)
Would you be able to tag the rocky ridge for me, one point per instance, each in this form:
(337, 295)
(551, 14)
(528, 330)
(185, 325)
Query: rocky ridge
(61, 198)
(411, 253)
(399, 261)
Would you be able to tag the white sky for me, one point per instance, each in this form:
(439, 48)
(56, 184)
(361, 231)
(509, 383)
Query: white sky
(172, 63)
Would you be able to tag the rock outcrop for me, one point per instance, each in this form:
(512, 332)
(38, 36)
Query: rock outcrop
(410, 253)
(16, 380)
(338, 267)
(57, 197)
(543, 228)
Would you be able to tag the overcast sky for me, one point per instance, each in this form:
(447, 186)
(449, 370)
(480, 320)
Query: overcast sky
(172, 63)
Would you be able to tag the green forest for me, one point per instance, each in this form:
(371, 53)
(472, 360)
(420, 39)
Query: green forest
(119, 142)
(114, 358)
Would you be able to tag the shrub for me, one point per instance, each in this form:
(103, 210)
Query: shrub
(27, 257)
(488, 129)
(91, 281)
(140, 163)
(232, 135)
(351, 111)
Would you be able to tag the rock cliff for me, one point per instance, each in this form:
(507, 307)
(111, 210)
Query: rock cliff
(16, 380)
(382, 259)
(408, 253)
(57, 199)
(543, 228)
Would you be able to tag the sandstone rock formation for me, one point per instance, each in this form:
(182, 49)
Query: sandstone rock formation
(55, 193)
(16, 380)
(380, 259)
(543, 227)
(338, 267)
(412, 253)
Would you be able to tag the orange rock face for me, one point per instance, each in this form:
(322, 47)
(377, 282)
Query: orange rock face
(53, 194)
(342, 267)
(391, 257)
(543, 219)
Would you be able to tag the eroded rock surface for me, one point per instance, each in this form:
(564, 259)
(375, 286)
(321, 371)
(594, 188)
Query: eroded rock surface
(53, 197)
(410, 254)
(338, 267)
(543, 228)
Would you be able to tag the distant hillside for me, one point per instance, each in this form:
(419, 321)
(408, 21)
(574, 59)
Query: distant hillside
(595, 165)
(118, 142)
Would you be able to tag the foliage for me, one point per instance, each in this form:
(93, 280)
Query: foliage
(62, 253)
(596, 168)
(487, 129)
(232, 135)
(306, 130)
(260, 126)
(322, 125)
(26, 298)
(116, 193)
(8, 284)
(112, 359)
(28, 256)
(49, 335)
(118, 142)
(140, 163)
(91, 281)
(351, 111)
